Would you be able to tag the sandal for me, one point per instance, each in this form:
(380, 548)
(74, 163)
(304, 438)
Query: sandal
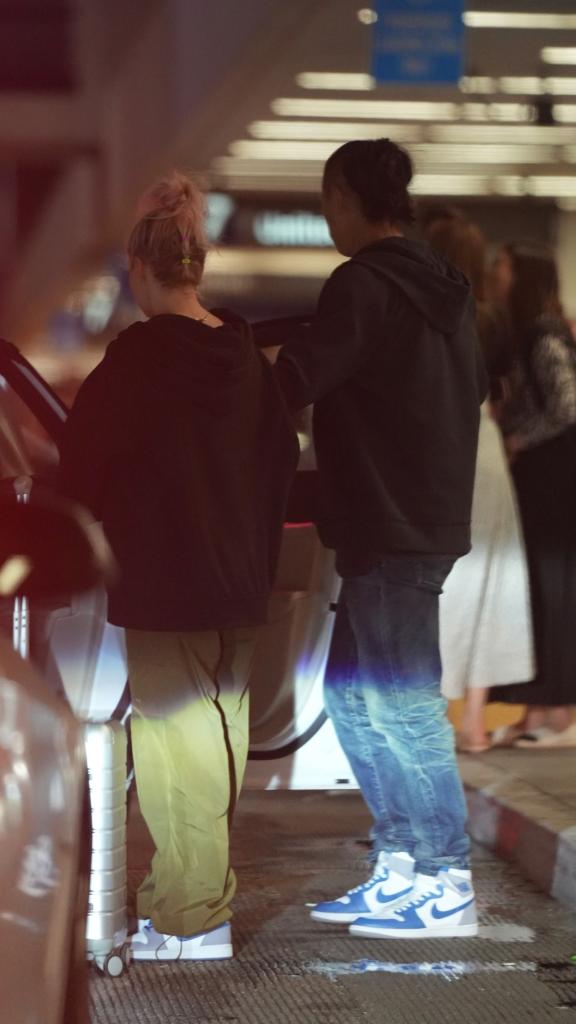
(507, 735)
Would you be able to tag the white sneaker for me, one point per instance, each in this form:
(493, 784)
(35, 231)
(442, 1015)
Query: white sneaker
(543, 737)
(148, 944)
(391, 881)
(441, 906)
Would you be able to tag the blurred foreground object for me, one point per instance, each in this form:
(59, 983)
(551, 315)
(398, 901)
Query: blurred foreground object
(46, 548)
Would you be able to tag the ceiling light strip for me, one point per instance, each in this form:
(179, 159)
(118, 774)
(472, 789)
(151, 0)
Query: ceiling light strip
(428, 152)
(520, 85)
(519, 19)
(339, 131)
(403, 110)
(559, 54)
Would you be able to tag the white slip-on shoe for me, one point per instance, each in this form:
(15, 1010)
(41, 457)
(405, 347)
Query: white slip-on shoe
(148, 944)
(440, 906)
(544, 738)
(391, 881)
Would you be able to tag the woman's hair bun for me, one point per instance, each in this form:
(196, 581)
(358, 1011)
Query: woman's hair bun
(169, 235)
(170, 197)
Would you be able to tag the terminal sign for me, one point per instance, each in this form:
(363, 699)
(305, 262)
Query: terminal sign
(418, 41)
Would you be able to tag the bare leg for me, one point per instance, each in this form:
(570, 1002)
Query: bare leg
(473, 733)
(559, 718)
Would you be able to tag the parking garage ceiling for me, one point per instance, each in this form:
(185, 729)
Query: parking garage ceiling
(508, 130)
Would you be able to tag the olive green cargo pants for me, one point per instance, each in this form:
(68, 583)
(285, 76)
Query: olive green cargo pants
(190, 744)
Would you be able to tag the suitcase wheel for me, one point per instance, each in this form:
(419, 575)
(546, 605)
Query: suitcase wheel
(114, 963)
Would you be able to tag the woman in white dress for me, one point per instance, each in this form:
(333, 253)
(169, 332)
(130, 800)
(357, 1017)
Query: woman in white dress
(485, 616)
(485, 619)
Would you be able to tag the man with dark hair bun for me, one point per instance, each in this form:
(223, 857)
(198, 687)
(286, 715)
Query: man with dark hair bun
(393, 366)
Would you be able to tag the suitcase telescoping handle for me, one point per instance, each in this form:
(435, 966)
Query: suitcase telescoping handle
(20, 622)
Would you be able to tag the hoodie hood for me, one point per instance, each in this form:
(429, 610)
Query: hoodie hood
(179, 354)
(432, 285)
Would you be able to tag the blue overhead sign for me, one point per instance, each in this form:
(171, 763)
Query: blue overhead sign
(418, 41)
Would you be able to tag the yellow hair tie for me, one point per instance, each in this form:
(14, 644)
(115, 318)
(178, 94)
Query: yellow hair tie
(186, 259)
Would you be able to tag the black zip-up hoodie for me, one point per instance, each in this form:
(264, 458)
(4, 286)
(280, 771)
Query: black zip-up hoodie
(392, 362)
(180, 442)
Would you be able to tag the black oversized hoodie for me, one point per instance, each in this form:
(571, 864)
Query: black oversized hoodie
(391, 361)
(179, 441)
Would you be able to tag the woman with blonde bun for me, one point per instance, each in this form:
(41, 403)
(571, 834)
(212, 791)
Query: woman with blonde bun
(179, 442)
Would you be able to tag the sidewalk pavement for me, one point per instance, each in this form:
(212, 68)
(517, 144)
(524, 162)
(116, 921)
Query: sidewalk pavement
(523, 807)
(293, 848)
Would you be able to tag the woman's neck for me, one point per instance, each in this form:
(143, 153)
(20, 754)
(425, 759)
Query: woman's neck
(181, 303)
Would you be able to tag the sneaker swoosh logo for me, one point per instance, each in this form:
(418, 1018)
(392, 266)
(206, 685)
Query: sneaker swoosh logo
(439, 914)
(383, 898)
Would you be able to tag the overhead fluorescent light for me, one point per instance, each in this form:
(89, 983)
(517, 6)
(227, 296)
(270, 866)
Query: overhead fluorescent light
(402, 110)
(461, 184)
(559, 54)
(256, 149)
(518, 19)
(342, 131)
(497, 19)
(537, 86)
(429, 152)
(565, 113)
(474, 153)
(394, 109)
(552, 185)
(367, 16)
(266, 168)
(252, 175)
(544, 186)
(555, 135)
(340, 80)
(339, 131)
(519, 85)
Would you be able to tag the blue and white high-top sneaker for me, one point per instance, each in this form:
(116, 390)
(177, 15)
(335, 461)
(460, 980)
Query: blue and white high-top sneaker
(391, 881)
(440, 906)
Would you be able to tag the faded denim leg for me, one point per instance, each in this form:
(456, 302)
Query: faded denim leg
(366, 750)
(407, 739)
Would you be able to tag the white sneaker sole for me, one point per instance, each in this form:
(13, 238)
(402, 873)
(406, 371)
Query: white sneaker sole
(222, 952)
(445, 931)
(325, 915)
(347, 918)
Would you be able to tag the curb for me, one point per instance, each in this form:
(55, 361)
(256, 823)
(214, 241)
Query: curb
(532, 829)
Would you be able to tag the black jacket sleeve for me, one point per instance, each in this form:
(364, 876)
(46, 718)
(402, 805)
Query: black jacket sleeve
(92, 437)
(320, 357)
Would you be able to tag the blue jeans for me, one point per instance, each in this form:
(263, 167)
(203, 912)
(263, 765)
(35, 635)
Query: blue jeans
(382, 693)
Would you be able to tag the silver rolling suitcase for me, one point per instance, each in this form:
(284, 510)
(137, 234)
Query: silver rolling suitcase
(105, 745)
(106, 932)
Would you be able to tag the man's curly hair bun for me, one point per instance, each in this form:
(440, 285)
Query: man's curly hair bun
(379, 173)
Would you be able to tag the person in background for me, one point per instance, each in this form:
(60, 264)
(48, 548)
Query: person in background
(392, 363)
(485, 616)
(538, 420)
(179, 441)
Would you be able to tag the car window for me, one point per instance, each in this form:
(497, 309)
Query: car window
(25, 446)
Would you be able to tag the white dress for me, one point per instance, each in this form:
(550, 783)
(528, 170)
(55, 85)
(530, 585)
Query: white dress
(485, 619)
